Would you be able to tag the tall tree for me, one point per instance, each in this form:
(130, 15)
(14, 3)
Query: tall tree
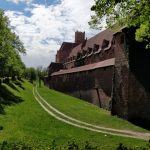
(10, 47)
(135, 13)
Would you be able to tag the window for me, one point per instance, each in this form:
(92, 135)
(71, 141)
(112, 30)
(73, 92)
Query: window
(105, 44)
(96, 47)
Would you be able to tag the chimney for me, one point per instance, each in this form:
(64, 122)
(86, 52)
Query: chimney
(79, 37)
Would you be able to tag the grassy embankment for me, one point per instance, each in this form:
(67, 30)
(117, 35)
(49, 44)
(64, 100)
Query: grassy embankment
(84, 111)
(28, 122)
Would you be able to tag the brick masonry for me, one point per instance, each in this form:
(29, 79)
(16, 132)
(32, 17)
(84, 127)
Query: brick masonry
(123, 88)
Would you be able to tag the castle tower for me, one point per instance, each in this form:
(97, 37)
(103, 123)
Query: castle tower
(79, 37)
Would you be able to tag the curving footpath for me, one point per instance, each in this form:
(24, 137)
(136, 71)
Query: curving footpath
(77, 123)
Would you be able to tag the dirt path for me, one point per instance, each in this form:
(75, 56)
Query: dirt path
(74, 122)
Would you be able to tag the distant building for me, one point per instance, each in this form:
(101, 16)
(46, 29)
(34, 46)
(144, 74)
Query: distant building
(109, 70)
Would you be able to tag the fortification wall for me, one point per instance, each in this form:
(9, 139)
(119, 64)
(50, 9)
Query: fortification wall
(128, 82)
(93, 86)
(131, 82)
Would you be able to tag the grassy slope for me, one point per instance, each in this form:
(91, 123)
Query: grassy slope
(28, 122)
(85, 111)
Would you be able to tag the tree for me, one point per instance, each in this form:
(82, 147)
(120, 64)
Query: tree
(41, 73)
(10, 47)
(130, 13)
(30, 74)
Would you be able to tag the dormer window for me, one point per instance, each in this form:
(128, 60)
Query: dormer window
(74, 57)
(89, 50)
(105, 44)
(69, 59)
(83, 52)
(79, 55)
(96, 47)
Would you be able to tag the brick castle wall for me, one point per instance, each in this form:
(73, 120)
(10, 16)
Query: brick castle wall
(93, 86)
(131, 81)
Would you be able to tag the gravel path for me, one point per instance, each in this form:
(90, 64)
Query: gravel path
(77, 123)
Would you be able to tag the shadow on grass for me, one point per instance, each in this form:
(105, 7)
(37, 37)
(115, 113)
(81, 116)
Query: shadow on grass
(7, 98)
(21, 80)
(18, 83)
(12, 86)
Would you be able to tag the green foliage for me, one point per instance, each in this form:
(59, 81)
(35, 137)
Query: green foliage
(124, 147)
(135, 13)
(30, 74)
(41, 72)
(72, 145)
(14, 146)
(10, 47)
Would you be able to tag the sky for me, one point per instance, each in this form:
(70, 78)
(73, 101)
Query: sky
(43, 25)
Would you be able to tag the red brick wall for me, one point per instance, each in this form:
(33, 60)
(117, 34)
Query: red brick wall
(79, 37)
(83, 85)
(131, 82)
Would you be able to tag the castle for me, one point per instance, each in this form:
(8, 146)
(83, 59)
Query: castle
(110, 70)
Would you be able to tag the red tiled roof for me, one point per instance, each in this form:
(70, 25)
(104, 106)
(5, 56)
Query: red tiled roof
(97, 39)
(67, 45)
(105, 63)
(54, 64)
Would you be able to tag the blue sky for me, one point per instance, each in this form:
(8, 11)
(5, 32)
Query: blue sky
(43, 25)
(16, 5)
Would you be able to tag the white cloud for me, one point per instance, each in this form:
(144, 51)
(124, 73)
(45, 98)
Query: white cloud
(47, 27)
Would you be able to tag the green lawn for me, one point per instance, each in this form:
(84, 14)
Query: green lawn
(28, 122)
(84, 111)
